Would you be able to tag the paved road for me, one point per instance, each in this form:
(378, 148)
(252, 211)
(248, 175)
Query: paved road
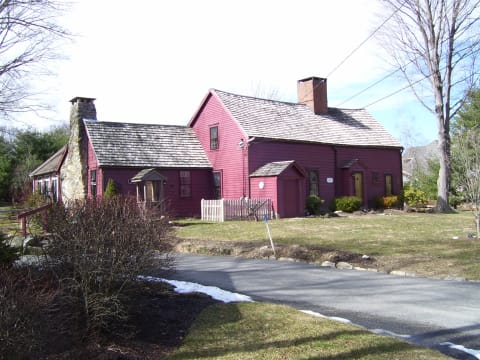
(430, 311)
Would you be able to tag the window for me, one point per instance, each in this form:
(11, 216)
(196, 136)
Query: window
(313, 183)
(388, 185)
(46, 189)
(214, 138)
(185, 184)
(93, 183)
(55, 189)
(217, 185)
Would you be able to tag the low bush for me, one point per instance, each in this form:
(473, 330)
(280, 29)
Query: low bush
(98, 248)
(387, 202)
(347, 203)
(111, 189)
(414, 198)
(31, 314)
(313, 205)
(8, 254)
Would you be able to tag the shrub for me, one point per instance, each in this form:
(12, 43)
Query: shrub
(414, 197)
(36, 199)
(313, 204)
(26, 298)
(387, 202)
(8, 254)
(347, 203)
(111, 189)
(98, 248)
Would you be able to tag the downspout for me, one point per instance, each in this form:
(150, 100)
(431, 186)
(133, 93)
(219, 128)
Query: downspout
(247, 159)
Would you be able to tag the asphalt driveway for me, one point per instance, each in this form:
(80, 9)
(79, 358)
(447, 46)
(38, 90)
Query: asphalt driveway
(428, 311)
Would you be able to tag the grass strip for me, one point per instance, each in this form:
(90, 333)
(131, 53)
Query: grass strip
(268, 331)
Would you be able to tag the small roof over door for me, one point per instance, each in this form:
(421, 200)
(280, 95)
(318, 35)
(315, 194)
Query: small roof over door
(148, 175)
(276, 168)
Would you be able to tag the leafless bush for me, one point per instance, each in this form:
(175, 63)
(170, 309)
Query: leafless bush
(25, 297)
(98, 249)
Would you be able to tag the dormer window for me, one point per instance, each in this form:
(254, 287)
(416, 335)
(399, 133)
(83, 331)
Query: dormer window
(214, 138)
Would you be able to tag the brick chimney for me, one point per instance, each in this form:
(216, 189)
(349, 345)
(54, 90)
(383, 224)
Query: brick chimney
(74, 169)
(312, 92)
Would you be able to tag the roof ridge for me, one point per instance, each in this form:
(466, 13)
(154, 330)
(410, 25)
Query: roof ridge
(282, 101)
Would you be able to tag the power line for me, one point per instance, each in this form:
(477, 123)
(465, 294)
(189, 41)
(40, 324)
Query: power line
(404, 66)
(411, 84)
(369, 87)
(364, 41)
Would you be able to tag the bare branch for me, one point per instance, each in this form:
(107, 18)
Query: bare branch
(29, 40)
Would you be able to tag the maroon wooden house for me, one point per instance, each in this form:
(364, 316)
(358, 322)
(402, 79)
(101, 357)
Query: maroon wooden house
(286, 151)
(46, 177)
(234, 146)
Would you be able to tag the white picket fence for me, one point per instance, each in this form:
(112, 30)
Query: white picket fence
(236, 209)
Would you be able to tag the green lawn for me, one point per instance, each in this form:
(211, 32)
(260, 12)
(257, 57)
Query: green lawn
(267, 331)
(426, 244)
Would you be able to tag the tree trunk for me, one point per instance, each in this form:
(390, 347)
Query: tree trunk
(443, 182)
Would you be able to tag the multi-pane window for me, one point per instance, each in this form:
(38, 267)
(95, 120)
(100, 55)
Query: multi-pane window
(185, 184)
(217, 184)
(214, 138)
(313, 182)
(39, 186)
(46, 189)
(54, 189)
(93, 183)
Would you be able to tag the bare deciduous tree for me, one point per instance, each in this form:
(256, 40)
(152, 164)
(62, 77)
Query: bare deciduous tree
(29, 36)
(466, 151)
(436, 40)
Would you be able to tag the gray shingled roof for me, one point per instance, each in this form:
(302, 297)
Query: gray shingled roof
(272, 169)
(50, 165)
(145, 145)
(296, 122)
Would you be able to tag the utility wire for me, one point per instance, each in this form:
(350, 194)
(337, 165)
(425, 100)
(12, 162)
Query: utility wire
(410, 84)
(364, 41)
(359, 46)
(404, 66)
(369, 87)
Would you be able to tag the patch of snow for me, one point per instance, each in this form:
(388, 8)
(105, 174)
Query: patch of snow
(389, 333)
(339, 319)
(473, 352)
(184, 287)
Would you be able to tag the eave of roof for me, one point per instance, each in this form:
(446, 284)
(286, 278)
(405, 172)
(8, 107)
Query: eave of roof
(52, 164)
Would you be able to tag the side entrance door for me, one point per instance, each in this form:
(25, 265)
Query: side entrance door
(358, 184)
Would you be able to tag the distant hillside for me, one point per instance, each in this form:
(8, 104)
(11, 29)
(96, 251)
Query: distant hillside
(418, 156)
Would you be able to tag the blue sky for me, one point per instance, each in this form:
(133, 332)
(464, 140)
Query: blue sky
(154, 61)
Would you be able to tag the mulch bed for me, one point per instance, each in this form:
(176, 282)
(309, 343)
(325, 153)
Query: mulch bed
(161, 319)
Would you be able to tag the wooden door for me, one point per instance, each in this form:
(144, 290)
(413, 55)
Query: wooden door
(358, 185)
(291, 198)
(388, 185)
(149, 195)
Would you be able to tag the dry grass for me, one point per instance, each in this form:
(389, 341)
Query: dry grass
(426, 244)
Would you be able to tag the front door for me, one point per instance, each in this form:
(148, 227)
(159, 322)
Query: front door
(358, 185)
(291, 198)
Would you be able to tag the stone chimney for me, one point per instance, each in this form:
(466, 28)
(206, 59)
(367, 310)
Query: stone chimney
(312, 92)
(74, 169)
